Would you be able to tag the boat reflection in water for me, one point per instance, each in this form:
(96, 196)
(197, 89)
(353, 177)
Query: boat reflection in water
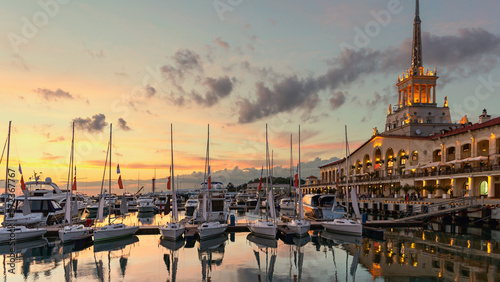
(346, 242)
(296, 255)
(115, 249)
(210, 253)
(171, 258)
(269, 247)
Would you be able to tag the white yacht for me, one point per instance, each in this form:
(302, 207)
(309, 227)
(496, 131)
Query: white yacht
(20, 233)
(114, 231)
(319, 207)
(145, 204)
(45, 210)
(217, 208)
(287, 204)
(190, 206)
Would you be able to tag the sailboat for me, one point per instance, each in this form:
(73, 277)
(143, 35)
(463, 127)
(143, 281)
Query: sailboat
(10, 233)
(72, 231)
(266, 228)
(299, 225)
(111, 231)
(173, 230)
(208, 228)
(347, 225)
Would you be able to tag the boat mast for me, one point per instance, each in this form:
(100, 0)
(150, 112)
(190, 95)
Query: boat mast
(110, 150)
(267, 175)
(347, 171)
(7, 175)
(174, 197)
(301, 213)
(69, 189)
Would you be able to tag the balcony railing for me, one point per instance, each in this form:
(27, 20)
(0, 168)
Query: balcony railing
(375, 178)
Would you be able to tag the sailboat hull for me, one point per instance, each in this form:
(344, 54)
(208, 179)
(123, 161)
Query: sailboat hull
(172, 231)
(69, 233)
(20, 233)
(211, 229)
(299, 226)
(114, 231)
(344, 226)
(261, 228)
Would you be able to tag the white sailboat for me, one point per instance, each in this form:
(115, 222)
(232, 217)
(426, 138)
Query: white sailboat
(266, 228)
(347, 225)
(208, 228)
(173, 230)
(10, 233)
(111, 231)
(72, 231)
(299, 225)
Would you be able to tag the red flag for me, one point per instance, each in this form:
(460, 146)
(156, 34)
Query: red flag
(120, 183)
(74, 184)
(260, 182)
(209, 179)
(23, 186)
(168, 183)
(296, 183)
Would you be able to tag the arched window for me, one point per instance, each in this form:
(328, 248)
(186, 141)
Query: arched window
(483, 148)
(483, 188)
(466, 151)
(450, 154)
(414, 158)
(436, 155)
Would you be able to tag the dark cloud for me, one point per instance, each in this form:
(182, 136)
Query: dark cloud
(185, 62)
(122, 124)
(337, 100)
(150, 91)
(218, 89)
(94, 124)
(288, 94)
(223, 44)
(469, 52)
(51, 95)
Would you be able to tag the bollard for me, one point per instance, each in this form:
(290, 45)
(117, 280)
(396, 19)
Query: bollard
(232, 220)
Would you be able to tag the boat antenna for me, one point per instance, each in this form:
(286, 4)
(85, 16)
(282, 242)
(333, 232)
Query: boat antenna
(7, 174)
(110, 150)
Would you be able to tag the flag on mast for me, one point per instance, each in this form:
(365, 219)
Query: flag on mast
(168, 183)
(260, 182)
(74, 181)
(23, 186)
(296, 184)
(209, 179)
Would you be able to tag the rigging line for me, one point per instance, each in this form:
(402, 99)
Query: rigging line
(4, 145)
(104, 173)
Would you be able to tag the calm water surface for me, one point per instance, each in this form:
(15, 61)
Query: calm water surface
(408, 254)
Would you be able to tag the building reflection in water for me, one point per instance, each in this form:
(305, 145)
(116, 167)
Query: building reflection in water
(422, 253)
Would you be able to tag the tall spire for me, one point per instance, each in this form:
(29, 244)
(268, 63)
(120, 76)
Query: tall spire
(416, 58)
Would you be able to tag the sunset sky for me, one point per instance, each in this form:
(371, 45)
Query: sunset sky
(233, 64)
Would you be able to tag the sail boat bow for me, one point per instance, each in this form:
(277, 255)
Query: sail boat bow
(172, 230)
(208, 228)
(266, 227)
(112, 231)
(347, 225)
(72, 231)
(299, 225)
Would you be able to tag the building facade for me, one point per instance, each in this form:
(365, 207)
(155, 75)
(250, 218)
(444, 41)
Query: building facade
(421, 147)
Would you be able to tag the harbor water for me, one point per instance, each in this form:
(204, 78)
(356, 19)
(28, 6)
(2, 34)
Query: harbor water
(457, 254)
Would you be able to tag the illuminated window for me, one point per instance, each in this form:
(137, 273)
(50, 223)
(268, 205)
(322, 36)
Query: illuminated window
(483, 188)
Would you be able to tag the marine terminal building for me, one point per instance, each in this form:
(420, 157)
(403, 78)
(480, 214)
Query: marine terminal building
(420, 145)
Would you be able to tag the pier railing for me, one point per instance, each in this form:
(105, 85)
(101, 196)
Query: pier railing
(441, 207)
